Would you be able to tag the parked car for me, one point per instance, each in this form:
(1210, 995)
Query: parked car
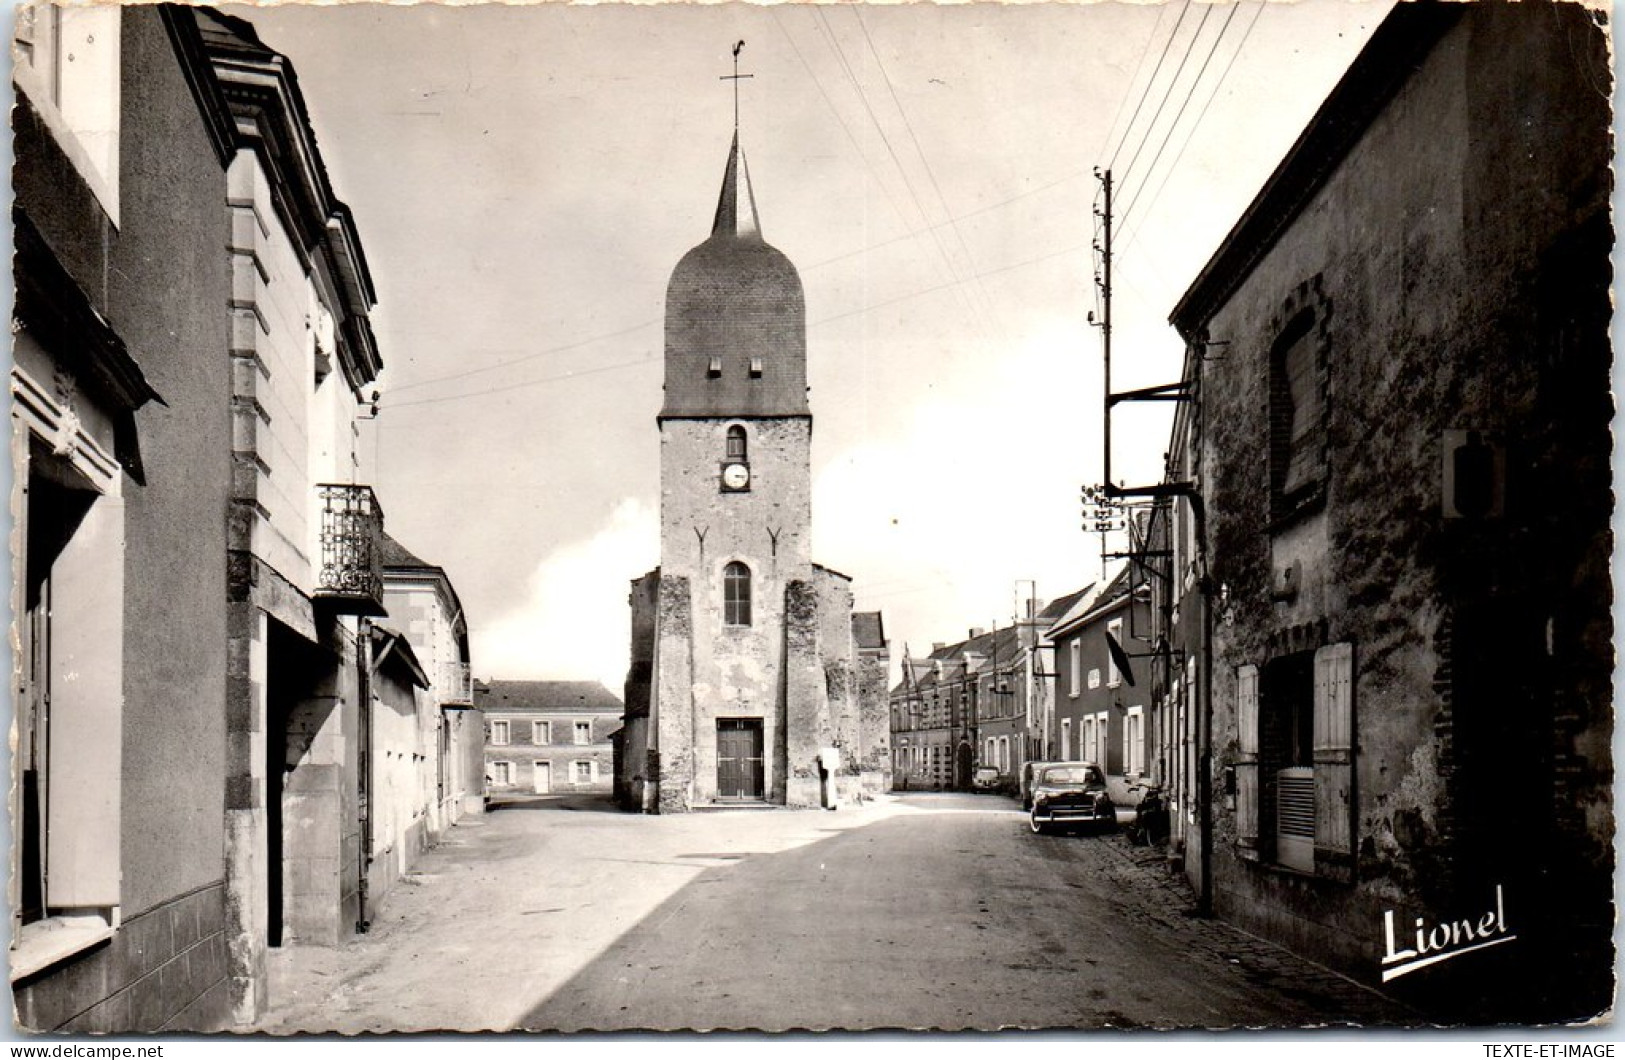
(1029, 773)
(985, 779)
(1071, 795)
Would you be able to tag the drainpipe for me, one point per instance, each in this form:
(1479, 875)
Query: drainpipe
(1204, 774)
(364, 785)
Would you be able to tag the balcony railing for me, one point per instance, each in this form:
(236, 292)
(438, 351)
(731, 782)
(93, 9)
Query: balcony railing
(458, 685)
(350, 578)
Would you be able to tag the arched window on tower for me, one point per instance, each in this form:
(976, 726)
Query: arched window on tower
(736, 594)
(736, 443)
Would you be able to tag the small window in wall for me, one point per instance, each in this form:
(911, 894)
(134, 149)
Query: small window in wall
(583, 772)
(541, 732)
(502, 774)
(1074, 668)
(1114, 629)
(499, 733)
(736, 446)
(756, 368)
(714, 369)
(1297, 417)
(1066, 739)
(736, 595)
(583, 733)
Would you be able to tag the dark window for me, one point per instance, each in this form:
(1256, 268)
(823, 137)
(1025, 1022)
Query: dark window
(1297, 417)
(736, 595)
(736, 443)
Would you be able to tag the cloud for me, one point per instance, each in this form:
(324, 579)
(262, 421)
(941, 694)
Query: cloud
(574, 624)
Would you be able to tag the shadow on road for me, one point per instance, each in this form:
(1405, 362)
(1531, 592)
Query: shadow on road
(594, 803)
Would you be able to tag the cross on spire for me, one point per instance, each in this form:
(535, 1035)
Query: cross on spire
(736, 77)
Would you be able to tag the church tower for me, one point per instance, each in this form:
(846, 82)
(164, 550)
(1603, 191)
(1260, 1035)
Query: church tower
(746, 676)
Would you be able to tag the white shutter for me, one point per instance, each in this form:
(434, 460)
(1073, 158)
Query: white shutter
(1334, 748)
(1247, 756)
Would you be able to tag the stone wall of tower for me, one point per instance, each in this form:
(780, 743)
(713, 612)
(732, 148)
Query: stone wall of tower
(671, 761)
(731, 671)
(700, 526)
(808, 729)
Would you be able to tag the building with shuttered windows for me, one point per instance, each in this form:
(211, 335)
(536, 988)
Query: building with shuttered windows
(1398, 599)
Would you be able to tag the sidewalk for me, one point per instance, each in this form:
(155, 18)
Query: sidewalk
(1161, 893)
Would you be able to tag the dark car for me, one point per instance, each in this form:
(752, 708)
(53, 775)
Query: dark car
(1071, 795)
(1029, 775)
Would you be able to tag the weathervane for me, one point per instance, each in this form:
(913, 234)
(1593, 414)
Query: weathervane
(736, 77)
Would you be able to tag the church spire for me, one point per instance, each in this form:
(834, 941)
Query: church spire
(736, 208)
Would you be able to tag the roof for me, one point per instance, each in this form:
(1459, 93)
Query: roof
(1002, 645)
(1389, 58)
(868, 631)
(394, 554)
(392, 644)
(736, 318)
(736, 206)
(1090, 604)
(1053, 611)
(546, 697)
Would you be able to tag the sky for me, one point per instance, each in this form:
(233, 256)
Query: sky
(524, 179)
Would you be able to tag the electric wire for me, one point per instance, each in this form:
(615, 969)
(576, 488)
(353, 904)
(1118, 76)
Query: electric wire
(652, 360)
(1146, 91)
(1123, 178)
(591, 340)
(930, 173)
(1172, 126)
(908, 185)
(1134, 233)
(1145, 52)
(850, 135)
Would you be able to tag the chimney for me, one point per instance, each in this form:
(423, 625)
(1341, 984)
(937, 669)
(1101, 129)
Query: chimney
(976, 631)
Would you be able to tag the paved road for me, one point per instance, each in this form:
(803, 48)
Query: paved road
(921, 911)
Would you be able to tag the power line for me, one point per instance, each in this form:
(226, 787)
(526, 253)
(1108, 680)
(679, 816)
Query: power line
(813, 324)
(580, 343)
(1135, 198)
(957, 217)
(874, 119)
(1183, 59)
(851, 137)
(522, 385)
(1258, 12)
(521, 360)
(930, 173)
(1145, 92)
(1162, 9)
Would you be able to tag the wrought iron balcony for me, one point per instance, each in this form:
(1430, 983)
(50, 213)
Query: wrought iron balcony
(350, 579)
(458, 688)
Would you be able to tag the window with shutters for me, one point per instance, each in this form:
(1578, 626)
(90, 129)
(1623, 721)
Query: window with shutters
(1294, 762)
(499, 733)
(1297, 408)
(1134, 740)
(1114, 629)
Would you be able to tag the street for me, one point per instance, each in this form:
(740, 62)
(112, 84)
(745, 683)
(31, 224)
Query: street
(922, 911)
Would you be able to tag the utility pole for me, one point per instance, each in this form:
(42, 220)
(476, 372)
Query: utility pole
(1110, 491)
